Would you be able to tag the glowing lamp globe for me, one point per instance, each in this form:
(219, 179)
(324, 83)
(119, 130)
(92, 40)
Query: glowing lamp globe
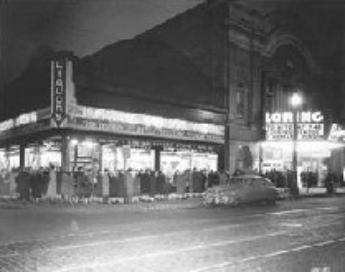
(74, 142)
(296, 100)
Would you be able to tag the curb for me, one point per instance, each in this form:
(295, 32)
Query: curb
(145, 203)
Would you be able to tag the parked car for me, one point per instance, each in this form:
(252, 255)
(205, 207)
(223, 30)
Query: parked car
(243, 189)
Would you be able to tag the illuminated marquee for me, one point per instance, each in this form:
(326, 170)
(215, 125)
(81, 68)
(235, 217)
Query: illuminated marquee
(97, 119)
(21, 120)
(146, 120)
(6, 125)
(26, 118)
(279, 125)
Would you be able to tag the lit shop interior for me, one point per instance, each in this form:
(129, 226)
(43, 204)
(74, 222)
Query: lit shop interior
(113, 155)
(105, 142)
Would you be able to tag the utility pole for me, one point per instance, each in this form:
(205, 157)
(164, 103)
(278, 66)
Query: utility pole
(296, 102)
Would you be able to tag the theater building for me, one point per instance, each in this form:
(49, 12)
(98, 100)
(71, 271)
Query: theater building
(315, 144)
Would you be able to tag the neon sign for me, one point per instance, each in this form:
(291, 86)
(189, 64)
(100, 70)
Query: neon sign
(58, 91)
(287, 117)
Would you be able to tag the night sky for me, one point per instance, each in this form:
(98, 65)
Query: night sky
(83, 26)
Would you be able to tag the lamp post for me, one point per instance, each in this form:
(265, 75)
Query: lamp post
(227, 155)
(296, 102)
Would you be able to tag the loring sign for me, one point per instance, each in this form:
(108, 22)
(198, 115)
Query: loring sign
(279, 126)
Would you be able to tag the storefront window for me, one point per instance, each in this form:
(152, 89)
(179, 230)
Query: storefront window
(42, 156)
(175, 161)
(109, 157)
(124, 157)
(33, 157)
(51, 157)
(135, 158)
(9, 159)
(204, 161)
(3, 160)
(84, 154)
(172, 161)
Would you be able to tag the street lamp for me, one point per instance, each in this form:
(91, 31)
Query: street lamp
(295, 101)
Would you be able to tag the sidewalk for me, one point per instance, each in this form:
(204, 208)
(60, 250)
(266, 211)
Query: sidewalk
(166, 204)
(189, 202)
(314, 191)
(320, 191)
(310, 192)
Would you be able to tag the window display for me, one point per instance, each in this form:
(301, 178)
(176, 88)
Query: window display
(172, 161)
(9, 159)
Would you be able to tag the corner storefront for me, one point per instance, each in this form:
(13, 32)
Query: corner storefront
(69, 135)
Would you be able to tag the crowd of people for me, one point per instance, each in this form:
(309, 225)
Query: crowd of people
(279, 178)
(28, 183)
(146, 182)
(309, 179)
(84, 183)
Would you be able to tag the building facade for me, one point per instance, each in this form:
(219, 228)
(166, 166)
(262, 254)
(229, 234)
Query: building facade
(192, 92)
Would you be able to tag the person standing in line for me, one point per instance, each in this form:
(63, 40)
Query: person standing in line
(160, 183)
(51, 191)
(145, 182)
(112, 175)
(178, 182)
(223, 178)
(66, 186)
(203, 180)
(129, 186)
(137, 180)
(184, 182)
(105, 184)
(195, 181)
(329, 182)
(35, 184)
(189, 180)
(23, 184)
(211, 179)
(3, 184)
(12, 180)
(174, 181)
(153, 180)
(98, 184)
(7, 182)
(121, 184)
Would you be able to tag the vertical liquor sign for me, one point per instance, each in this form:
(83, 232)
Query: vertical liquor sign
(58, 91)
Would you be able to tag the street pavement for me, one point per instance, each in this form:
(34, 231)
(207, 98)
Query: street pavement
(306, 234)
